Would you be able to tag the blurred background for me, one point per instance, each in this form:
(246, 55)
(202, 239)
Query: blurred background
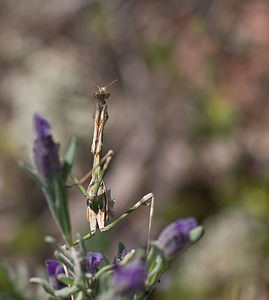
(188, 121)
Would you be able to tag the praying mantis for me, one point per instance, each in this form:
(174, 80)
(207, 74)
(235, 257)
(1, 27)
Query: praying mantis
(99, 202)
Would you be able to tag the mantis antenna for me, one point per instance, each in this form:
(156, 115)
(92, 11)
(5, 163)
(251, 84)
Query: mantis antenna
(94, 83)
(113, 81)
(104, 87)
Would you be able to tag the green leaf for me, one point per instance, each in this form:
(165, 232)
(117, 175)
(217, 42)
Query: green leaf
(157, 264)
(61, 207)
(121, 247)
(46, 286)
(49, 195)
(30, 171)
(55, 191)
(108, 295)
(66, 292)
(56, 195)
(65, 279)
(5, 282)
(79, 296)
(58, 247)
(12, 285)
(82, 245)
(105, 270)
(64, 260)
(69, 158)
(106, 260)
(129, 255)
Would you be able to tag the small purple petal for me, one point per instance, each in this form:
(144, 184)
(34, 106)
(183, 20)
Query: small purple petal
(42, 126)
(46, 157)
(94, 259)
(175, 237)
(129, 278)
(54, 269)
(51, 266)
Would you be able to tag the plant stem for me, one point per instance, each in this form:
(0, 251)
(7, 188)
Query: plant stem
(80, 186)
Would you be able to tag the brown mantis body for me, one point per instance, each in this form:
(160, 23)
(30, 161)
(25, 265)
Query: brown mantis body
(99, 202)
(99, 198)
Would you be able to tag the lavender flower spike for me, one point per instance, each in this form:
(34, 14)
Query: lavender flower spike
(45, 151)
(129, 278)
(54, 269)
(176, 236)
(94, 259)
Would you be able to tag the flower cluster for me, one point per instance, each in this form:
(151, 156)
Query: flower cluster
(94, 259)
(77, 273)
(129, 274)
(46, 157)
(54, 269)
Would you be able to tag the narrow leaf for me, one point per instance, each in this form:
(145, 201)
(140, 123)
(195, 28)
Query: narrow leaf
(65, 279)
(82, 245)
(69, 158)
(66, 292)
(106, 260)
(61, 207)
(46, 286)
(121, 247)
(30, 171)
(58, 247)
(106, 269)
(157, 264)
(64, 260)
(79, 296)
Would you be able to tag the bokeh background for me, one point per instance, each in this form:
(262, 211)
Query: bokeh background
(188, 120)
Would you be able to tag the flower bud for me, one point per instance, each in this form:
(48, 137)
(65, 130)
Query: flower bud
(120, 256)
(45, 151)
(54, 269)
(94, 259)
(176, 237)
(129, 278)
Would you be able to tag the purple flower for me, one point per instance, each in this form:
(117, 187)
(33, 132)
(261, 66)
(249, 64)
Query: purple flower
(54, 269)
(46, 157)
(94, 259)
(129, 278)
(176, 236)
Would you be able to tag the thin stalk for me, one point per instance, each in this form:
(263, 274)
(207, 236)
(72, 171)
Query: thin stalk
(66, 273)
(80, 186)
(144, 200)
